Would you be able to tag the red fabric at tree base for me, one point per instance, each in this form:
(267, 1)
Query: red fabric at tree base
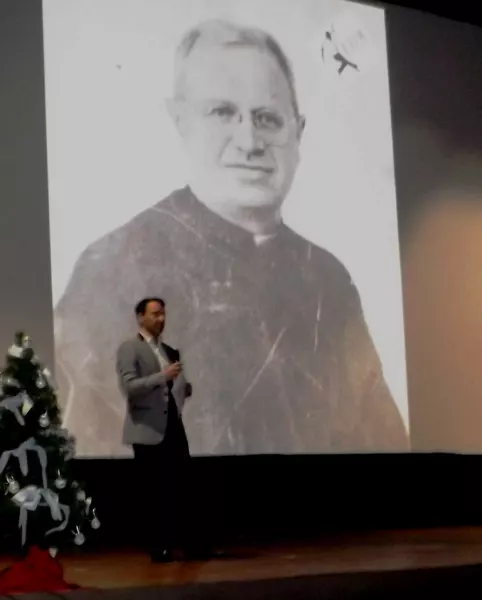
(37, 572)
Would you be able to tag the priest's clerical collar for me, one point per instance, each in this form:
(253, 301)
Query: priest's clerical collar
(261, 219)
(215, 229)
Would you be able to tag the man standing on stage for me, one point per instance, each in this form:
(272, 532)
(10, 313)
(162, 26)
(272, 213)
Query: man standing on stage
(152, 380)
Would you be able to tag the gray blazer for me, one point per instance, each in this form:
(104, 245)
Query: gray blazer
(147, 391)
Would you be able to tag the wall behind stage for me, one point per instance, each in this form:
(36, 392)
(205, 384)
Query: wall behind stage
(437, 115)
(436, 112)
(25, 288)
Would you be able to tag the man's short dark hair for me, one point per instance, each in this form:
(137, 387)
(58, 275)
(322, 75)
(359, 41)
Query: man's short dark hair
(141, 306)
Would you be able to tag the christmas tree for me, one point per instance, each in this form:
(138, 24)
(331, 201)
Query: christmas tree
(41, 503)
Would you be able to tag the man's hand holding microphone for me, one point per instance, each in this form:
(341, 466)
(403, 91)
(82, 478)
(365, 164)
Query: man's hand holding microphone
(172, 371)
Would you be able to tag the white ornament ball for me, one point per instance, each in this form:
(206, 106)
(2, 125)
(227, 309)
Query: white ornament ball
(60, 483)
(81, 496)
(95, 524)
(44, 421)
(79, 539)
(40, 383)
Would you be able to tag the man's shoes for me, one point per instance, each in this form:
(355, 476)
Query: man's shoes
(162, 555)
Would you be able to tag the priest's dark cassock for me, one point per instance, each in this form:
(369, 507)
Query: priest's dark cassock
(272, 336)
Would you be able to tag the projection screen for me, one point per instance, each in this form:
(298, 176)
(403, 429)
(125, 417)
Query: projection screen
(235, 159)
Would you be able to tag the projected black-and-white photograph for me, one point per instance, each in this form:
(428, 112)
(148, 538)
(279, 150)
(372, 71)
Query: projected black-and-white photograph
(234, 159)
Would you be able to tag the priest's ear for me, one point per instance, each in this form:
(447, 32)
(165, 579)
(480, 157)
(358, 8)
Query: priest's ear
(177, 111)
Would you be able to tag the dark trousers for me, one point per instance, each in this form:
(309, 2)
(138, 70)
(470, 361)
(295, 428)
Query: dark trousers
(164, 474)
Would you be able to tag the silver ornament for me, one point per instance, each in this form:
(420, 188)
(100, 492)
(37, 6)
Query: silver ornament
(88, 504)
(95, 523)
(79, 539)
(13, 486)
(40, 383)
(81, 496)
(44, 421)
(60, 483)
(53, 552)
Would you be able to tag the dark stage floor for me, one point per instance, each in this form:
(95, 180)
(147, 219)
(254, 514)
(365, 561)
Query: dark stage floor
(445, 562)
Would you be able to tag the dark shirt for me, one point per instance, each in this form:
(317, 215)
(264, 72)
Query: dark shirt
(273, 338)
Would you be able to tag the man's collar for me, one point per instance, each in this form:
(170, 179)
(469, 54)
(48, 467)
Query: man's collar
(146, 337)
